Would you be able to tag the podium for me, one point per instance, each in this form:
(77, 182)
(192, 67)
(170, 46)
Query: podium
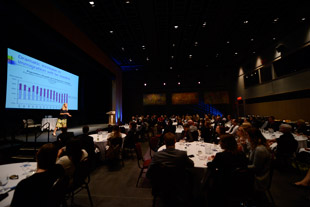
(111, 117)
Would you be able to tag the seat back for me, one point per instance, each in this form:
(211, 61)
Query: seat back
(57, 192)
(81, 174)
(172, 185)
(138, 150)
(154, 143)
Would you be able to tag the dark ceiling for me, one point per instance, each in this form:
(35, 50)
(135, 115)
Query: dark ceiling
(211, 34)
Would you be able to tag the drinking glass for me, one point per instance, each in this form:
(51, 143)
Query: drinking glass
(3, 181)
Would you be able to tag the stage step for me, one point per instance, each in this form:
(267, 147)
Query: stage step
(23, 158)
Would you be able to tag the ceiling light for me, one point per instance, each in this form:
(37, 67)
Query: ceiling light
(276, 19)
(130, 60)
(170, 67)
(251, 74)
(228, 42)
(190, 56)
(91, 3)
(127, 2)
(123, 49)
(144, 84)
(274, 38)
(164, 84)
(246, 21)
(236, 53)
(196, 43)
(254, 52)
(216, 55)
(137, 69)
(147, 59)
(179, 83)
(111, 31)
(143, 47)
(176, 27)
(199, 82)
(204, 24)
(246, 76)
(252, 39)
(303, 19)
(172, 56)
(173, 45)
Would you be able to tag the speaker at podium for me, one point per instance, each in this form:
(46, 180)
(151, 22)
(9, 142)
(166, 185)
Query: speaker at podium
(111, 117)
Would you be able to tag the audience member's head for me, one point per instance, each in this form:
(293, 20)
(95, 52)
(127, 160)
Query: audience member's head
(256, 137)
(228, 143)
(46, 156)
(74, 150)
(285, 128)
(271, 118)
(220, 130)
(169, 139)
(85, 129)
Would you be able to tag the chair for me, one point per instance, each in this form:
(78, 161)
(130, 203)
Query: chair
(171, 186)
(142, 164)
(269, 184)
(56, 196)
(81, 180)
(153, 143)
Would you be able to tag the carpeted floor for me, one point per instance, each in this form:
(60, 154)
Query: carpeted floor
(117, 188)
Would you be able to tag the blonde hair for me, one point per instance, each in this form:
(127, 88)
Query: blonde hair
(63, 106)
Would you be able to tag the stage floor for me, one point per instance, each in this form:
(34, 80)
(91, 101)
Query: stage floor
(44, 136)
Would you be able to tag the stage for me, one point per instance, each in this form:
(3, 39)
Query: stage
(48, 137)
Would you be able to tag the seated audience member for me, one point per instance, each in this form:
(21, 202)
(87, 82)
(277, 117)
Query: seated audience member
(206, 132)
(168, 174)
(219, 131)
(260, 159)
(114, 144)
(34, 190)
(87, 143)
(301, 127)
(272, 124)
(223, 167)
(64, 137)
(243, 138)
(233, 128)
(131, 137)
(71, 156)
(170, 127)
(286, 145)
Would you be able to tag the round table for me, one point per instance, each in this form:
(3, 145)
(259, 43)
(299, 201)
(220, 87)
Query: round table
(202, 151)
(301, 139)
(23, 170)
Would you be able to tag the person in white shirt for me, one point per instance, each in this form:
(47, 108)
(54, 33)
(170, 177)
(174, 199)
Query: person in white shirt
(233, 128)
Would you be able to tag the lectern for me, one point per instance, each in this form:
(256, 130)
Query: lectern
(111, 117)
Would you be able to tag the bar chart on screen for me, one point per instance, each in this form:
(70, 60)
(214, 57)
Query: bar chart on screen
(32, 84)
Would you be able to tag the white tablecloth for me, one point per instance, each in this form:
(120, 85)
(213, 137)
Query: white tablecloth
(23, 170)
(192, 148)
(101, 140)
(52, 122)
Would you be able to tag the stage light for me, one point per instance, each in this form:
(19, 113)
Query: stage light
(164, 84)
(111, 31)
(176, 27)
(190, 56)
(144, 84)
(179, 83)
(246, 21)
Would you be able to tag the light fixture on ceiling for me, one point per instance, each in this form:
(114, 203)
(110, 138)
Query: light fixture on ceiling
(173, 45)
(190, 56)
(254, 52)
(236, 53)
(176, 26)
(144, 84)
(198, 82)
(245, 22)
(111, 31)
(274, 38)
(123, 49)
(127, 2)
(172, 56)
(179, 83)
(204, 24)
(251, 74)
(130, 60)
(170, 67)
(164, 84)
(276, 19)
(252, 39)
(196, 44)
(227, 42)
(303, 19)
(92, 3)
(143, 47)
(147, 58)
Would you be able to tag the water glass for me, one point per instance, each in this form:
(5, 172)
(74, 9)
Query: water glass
(3, 181)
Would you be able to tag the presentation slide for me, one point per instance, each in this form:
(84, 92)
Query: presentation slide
(33, 84)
